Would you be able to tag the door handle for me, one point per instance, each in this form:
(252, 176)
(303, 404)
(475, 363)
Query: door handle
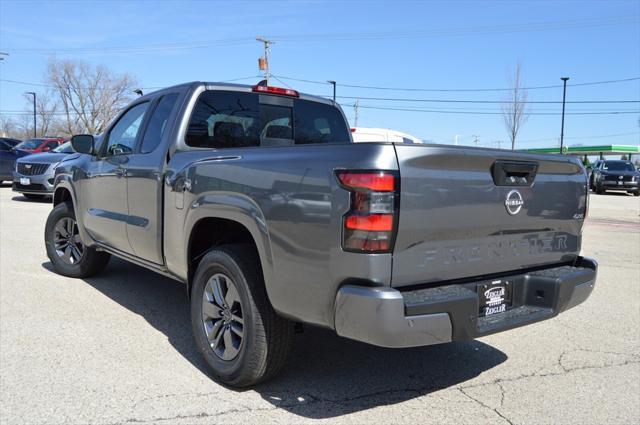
(120, 172)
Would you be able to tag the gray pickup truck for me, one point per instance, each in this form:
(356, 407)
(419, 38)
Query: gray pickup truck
(257, 199)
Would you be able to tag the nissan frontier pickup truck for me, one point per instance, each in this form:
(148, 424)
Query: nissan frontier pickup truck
(257, 200)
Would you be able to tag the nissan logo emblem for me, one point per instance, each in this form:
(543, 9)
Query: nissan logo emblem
(513, 202)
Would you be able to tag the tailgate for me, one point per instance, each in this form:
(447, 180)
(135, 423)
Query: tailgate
(468, 212)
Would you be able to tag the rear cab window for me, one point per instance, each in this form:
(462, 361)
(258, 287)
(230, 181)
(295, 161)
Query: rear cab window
(231, 119)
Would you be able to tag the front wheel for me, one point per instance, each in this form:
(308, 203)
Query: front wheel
(69, 256)
(237, 331)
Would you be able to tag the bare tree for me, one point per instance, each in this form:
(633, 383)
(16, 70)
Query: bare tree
(8, 127)
(90, 97)
(514, 107)
(17, 126)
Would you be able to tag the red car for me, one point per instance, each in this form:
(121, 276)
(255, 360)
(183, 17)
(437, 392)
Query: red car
(44, 144)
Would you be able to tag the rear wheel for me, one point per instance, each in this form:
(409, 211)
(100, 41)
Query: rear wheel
(237, 331)
(69, 256)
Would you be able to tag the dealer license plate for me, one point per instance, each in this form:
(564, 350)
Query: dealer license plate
(25, 181)
(495, 297)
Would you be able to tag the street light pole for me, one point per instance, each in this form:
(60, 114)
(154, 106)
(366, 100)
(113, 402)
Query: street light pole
(334, 89)
(34, 113)
(564, 96)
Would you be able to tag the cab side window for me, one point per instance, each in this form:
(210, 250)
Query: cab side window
(51, 145)
(318, 123)
(223, 119)
(158, 123)
(122, 137)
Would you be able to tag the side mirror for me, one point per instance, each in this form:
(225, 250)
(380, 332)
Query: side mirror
(83, 143)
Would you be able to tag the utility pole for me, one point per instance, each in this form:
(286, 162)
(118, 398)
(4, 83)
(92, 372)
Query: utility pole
(456, 139)
(564, 96)
(266, 69)
(334, 89)
(356, 107)
(34, 113)
(475, 139)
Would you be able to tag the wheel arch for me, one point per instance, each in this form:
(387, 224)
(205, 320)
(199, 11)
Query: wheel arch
(62, 194)
(220, 220)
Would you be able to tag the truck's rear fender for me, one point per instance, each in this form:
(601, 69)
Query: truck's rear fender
(218, 209)
(289, 200)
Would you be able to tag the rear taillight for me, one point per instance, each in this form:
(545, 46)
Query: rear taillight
(371, 222)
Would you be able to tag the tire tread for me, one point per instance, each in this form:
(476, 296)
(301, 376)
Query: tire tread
(273, 334)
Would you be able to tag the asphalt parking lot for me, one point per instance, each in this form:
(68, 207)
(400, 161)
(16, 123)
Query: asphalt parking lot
(118, 348)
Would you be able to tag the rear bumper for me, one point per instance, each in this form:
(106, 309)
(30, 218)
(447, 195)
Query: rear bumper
(387, 317)
(614, 185)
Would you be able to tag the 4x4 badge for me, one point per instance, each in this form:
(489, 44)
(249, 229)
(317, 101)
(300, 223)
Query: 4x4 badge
(513, 202)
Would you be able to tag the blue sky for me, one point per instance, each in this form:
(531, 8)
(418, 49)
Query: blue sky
(409, 44)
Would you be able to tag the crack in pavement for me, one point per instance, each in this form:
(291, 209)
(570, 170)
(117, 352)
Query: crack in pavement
(310, 399)
(565, 370)
(494, 410)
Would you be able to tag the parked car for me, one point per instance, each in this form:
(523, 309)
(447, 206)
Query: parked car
(41, 144)
(590, 173)
(33, 175)
(368, 134)
(616, 175)
(392, 244)
(10, 141)
(8, 156)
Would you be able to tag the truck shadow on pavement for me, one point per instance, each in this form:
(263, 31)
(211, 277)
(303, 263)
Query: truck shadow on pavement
(20, 198)
(326, 376)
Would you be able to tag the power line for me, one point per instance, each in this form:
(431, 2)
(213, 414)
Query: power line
(395, 99)
(389, 35)
(138, 48)
(26, 83)
(415, 89)
(391, 99)
(460, 31)
(440, 111)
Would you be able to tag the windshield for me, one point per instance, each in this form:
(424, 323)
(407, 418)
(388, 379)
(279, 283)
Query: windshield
(64, 148)
(618, 166)
(29, 144)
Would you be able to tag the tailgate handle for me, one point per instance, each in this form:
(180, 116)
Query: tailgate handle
(514, 173)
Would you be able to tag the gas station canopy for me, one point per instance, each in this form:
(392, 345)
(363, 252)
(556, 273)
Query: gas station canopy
(592, 150)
